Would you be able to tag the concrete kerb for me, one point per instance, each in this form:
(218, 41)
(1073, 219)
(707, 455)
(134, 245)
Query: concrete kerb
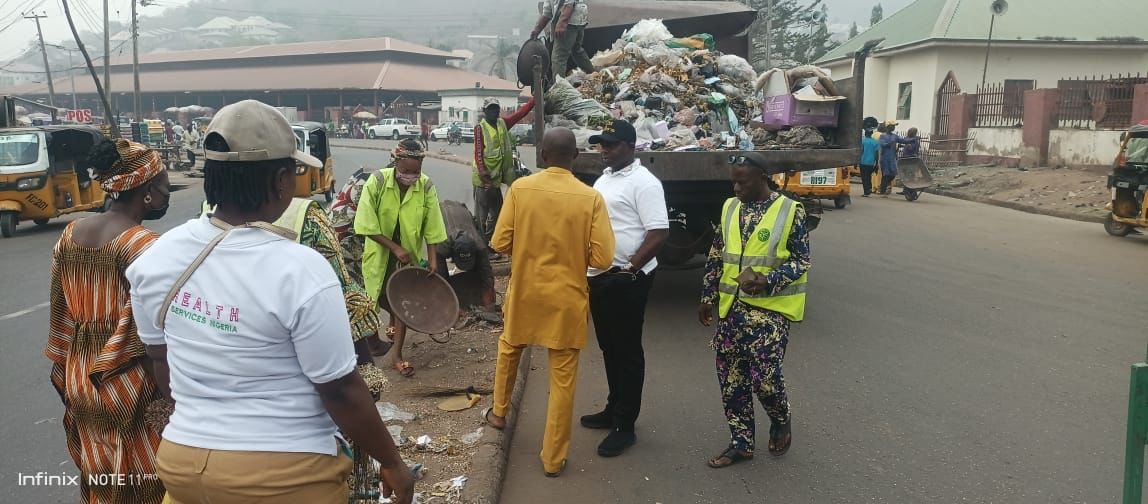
(488, 464)
(432, 155)
(1017, 206)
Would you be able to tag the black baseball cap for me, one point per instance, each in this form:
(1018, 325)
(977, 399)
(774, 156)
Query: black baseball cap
(465, 253)
(616, 132)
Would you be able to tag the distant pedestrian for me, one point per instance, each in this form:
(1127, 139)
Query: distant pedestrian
(889, 142)
(424, 135)
(912, 147)
(99, 367)
(567, 20)
(870, 148)
(493, 161)
(756, 278)
(618, 295)
(554, 227)
(191, 143)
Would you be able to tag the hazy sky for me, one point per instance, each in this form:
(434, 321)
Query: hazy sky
(15, 32)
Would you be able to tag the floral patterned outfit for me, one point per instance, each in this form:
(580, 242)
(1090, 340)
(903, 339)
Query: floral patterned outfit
(750, 342)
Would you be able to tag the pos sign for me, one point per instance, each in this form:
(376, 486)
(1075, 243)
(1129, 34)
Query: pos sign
(79, 116)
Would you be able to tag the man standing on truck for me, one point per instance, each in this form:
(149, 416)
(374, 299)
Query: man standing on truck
(755, 277)
(493, 161)
(618, 295)
(567, 20)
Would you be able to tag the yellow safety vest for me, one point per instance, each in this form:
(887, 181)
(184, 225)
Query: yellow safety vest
(497, 152)
(763, 252)
(292, 218)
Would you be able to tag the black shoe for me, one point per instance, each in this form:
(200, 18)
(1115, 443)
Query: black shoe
(599, 420)
(616, 443)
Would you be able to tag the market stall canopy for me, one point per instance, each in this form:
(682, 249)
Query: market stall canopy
(726, 21)
(364, 115)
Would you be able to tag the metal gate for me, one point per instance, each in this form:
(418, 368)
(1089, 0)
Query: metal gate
(949, 88)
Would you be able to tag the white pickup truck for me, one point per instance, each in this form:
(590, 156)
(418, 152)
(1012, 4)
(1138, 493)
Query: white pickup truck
(394, 129)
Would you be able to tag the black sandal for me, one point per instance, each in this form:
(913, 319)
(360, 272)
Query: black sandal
(780, 437)
(733, 454)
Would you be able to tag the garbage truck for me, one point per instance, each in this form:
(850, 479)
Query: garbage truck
(697, 183)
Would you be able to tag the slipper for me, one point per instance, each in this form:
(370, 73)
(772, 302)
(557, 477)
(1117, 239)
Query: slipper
(734, 456)
(404, 368)
(486, 418)
(780, 437)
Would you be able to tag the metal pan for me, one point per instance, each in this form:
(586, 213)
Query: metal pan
(424, 302)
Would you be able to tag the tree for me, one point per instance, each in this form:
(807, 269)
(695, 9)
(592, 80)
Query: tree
(800, 33)
(853, 32)
(498, 58)
(876, 15)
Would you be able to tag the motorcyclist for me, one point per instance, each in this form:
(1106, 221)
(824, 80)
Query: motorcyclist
(454, 134)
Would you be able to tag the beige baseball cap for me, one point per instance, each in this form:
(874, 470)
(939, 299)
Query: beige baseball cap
(255, 131)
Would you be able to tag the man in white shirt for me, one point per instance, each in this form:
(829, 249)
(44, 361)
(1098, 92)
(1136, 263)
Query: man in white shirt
(248, 333)
(637, 207)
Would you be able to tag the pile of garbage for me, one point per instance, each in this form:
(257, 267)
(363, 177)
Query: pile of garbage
(679, 93)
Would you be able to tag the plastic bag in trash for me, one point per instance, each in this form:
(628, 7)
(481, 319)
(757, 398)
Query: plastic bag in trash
(389, 412)
(663, 56)
(686, 116)
(680, 137)
(648, 32)
(582, 136)
(699, 41)
(563, 99)
(736, 68)
(609, 57)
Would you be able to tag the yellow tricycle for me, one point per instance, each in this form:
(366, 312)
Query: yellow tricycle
(44, 174)
(1128, 183)
(311, 138)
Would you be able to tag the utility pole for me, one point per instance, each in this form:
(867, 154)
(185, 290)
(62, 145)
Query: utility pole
(136, 60)
(47, 70)
(108, 114)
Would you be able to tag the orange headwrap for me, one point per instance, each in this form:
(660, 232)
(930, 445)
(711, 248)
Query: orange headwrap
(137, 165)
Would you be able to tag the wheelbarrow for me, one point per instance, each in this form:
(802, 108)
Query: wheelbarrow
(914, 177)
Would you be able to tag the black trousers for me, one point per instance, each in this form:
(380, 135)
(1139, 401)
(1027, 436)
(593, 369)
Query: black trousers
(867, 178)
(618, 306)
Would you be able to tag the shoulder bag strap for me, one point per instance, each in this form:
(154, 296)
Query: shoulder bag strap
(161, 316)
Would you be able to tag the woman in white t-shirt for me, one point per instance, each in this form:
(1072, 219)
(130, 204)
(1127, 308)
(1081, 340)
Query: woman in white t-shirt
(249, 334)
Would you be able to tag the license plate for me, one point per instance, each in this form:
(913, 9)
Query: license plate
(819, 177)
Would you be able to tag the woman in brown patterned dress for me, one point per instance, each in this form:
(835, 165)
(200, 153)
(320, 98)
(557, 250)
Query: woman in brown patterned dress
(99, 368)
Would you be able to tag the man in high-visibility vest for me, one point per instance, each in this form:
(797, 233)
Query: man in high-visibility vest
(493, 161)
(755, 277)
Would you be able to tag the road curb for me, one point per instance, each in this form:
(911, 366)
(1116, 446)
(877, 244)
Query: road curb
(488, 464)
(1017, 206)
(432, 155)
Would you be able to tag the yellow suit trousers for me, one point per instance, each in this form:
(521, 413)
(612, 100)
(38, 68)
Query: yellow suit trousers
(560, 407)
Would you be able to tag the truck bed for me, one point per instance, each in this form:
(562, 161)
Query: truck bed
(697, 166)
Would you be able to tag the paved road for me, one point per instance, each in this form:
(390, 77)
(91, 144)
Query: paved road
(31, 438)
(952, 352)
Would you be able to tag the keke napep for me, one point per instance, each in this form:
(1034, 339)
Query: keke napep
(44, 174)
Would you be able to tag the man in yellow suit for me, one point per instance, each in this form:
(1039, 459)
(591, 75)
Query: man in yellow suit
(553, 227)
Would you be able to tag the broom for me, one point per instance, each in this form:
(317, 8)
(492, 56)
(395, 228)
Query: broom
(439, 391)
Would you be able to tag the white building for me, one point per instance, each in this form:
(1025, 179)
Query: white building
(14, 74)
(1035, 44)
(466, 104)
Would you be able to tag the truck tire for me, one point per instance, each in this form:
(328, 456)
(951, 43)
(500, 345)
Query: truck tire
(1118, 229)
(841, 202)
(371, 134)
(7, 224)
(40, 222)
(395, 135)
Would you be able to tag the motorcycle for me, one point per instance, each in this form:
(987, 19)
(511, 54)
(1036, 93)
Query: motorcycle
(454, 137)
(520, 169)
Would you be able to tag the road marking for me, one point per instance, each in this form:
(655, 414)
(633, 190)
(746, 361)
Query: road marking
(23, 312)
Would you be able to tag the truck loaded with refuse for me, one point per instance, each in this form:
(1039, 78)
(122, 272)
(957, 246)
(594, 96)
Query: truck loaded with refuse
(678, 72)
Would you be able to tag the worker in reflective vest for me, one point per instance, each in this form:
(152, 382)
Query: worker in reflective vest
(755, 278)
(312, 229)
(493, 161)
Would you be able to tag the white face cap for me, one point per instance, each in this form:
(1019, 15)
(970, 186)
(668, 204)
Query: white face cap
(255, 131)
